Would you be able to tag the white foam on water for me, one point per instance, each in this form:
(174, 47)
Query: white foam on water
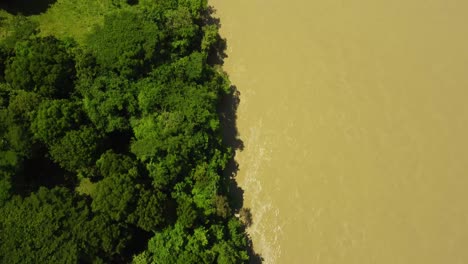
(266, 229)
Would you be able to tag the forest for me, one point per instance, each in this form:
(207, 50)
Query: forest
(111, 143)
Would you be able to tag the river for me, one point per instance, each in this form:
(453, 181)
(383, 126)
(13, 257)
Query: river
(354, 118)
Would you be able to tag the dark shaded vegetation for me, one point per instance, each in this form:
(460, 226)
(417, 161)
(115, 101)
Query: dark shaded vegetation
(120, 149)
(216, 53)
(228, 109)
(26, 7)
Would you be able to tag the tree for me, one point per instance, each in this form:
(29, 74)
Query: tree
(115, 193)
(157, 142)
(127, 43)
(15, 115)
(150, 210)
(229, 254)
(105, 237)
(210, 38)
(217, 244)
(41, 65)
(3, 58)
(186, 211)
(22, 105)
(132, 113)
(20, 28)
(54, 118)
(165, 246)
(5, 185)
(56, 226)
(205, 187)
(232, 249)
(109, 102)
(9, 159)
(42, 228)
(181, 29)
(121, 197)
(77, 151)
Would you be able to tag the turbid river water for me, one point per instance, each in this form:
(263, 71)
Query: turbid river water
(354, 117)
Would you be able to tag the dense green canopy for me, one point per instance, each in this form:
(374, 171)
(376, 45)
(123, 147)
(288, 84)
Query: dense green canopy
(111, 148)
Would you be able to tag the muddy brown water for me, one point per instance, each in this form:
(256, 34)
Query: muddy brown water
(354, 117)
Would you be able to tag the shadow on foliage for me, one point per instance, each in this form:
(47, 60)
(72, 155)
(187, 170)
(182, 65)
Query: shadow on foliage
(217, 54)
(132, 2)
(209, 18)
(228, 111)
(37, 171)
(26, 7)
(228, 115)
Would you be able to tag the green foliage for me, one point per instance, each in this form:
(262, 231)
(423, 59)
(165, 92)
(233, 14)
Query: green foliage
(228, 254)
(166, 246)
(215, 245)
(42, 228)
(105, 236)
(109, 102)
(182, 29)
(115, 193)
(126, 42)
(113, 197)
(77, 150)
(196, 7)
(110, 164)
(5, 186)
(210, 37)
(15, 118)
(236, 233)
(159, 143)
(186, 211)
(23, 105)
(141, 258)
(74, 18)
(3, 58)
(55, 226)
(122, 198)
(54, 118)
(20, 28)
(41, 65)
(110, 137)
(205, 188)
(18, 140)
(15, 139)
(149, 213)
